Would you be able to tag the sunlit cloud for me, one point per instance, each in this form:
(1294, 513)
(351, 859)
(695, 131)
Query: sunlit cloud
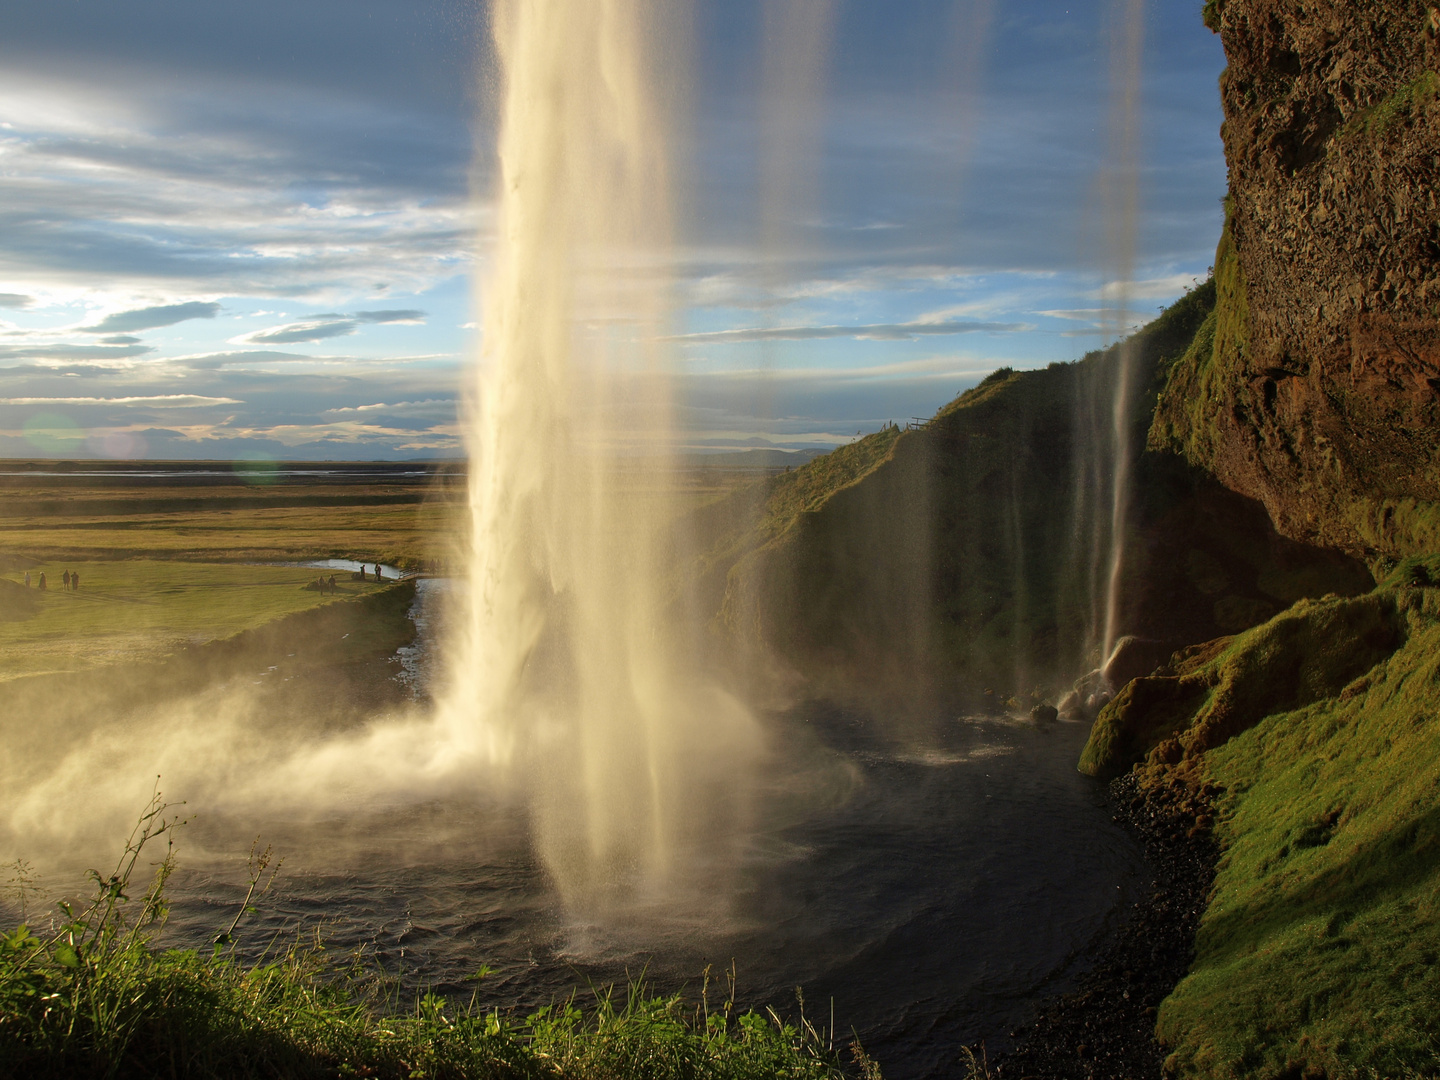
(429, 404)
(256, 215)
(158, 401)
(108, 187)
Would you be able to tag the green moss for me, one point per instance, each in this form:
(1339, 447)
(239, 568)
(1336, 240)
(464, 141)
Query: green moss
(1405, 526)
(1320, 948)
(1308, 652)
(1399, 108)
(1197, 385)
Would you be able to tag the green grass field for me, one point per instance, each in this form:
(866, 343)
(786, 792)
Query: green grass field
(139, 609)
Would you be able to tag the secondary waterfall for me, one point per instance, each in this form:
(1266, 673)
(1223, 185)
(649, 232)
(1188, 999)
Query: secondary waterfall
(580, 670)
(1127, 36)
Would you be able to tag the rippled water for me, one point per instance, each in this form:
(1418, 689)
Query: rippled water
(931, 892)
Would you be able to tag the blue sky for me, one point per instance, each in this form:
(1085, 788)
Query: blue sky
(239, 229)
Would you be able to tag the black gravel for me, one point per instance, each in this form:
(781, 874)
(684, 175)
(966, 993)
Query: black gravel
(1105, 1029)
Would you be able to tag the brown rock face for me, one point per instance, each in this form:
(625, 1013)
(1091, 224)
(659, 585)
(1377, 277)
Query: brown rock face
(1318, 390)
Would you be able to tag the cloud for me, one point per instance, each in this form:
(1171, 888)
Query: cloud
(296, 333)
(404, 315)
(72, 352)
(152, 317)
(156, 401)
(330, 325)
(927, 369)
(399, 405)
(217, 360)
(15, 300)
(246, 191)
(868, 332)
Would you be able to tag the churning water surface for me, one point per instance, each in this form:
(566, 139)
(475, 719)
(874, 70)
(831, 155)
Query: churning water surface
(929, 891)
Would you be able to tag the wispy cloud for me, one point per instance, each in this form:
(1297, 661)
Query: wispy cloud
(428, 405)
(151, 318)
(322, 327)
(157, 401)
(63, 351)
(868, 332)
(15, 300)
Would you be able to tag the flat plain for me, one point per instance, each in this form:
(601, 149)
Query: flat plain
(176, 554)
(172, 554)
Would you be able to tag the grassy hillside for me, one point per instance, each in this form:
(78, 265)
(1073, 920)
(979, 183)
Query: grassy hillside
(930, 564)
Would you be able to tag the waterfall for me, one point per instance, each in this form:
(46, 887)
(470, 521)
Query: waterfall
(1122, 209)
(580, 669)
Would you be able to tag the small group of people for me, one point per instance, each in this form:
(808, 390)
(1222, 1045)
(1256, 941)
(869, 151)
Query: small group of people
(361, 573)
(324, 584)
(70, 578)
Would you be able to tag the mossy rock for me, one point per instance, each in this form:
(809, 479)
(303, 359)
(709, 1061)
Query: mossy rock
(1308, 652)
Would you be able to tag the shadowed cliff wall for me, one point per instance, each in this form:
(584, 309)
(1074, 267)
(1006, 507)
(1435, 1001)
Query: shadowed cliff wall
(1317, 391)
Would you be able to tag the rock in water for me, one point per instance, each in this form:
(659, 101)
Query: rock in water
(1045, 714)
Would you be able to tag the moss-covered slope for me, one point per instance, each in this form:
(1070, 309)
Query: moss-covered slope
(1317, 954)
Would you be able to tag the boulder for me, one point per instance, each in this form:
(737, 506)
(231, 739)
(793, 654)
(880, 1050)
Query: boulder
(1132, 658)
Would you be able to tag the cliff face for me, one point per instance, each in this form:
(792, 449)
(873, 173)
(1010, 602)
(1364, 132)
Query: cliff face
(1317, 389)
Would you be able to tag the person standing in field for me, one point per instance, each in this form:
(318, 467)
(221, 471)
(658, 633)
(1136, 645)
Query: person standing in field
(27, 579)
(74, 581)
(42, 581)
(65, 581)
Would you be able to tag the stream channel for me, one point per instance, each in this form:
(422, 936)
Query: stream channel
(942, 892)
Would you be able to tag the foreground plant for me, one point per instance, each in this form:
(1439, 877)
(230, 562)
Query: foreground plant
(94, 997)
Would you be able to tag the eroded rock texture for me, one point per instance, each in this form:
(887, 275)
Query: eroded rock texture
(1316, 389)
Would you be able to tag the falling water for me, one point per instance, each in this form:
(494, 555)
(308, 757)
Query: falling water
(580, 672)
(1121, 212)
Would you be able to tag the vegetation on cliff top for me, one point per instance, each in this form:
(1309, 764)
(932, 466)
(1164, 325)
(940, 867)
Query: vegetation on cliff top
(1196, 385)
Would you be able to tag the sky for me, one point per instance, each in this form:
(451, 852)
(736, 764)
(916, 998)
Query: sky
(259, 230)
